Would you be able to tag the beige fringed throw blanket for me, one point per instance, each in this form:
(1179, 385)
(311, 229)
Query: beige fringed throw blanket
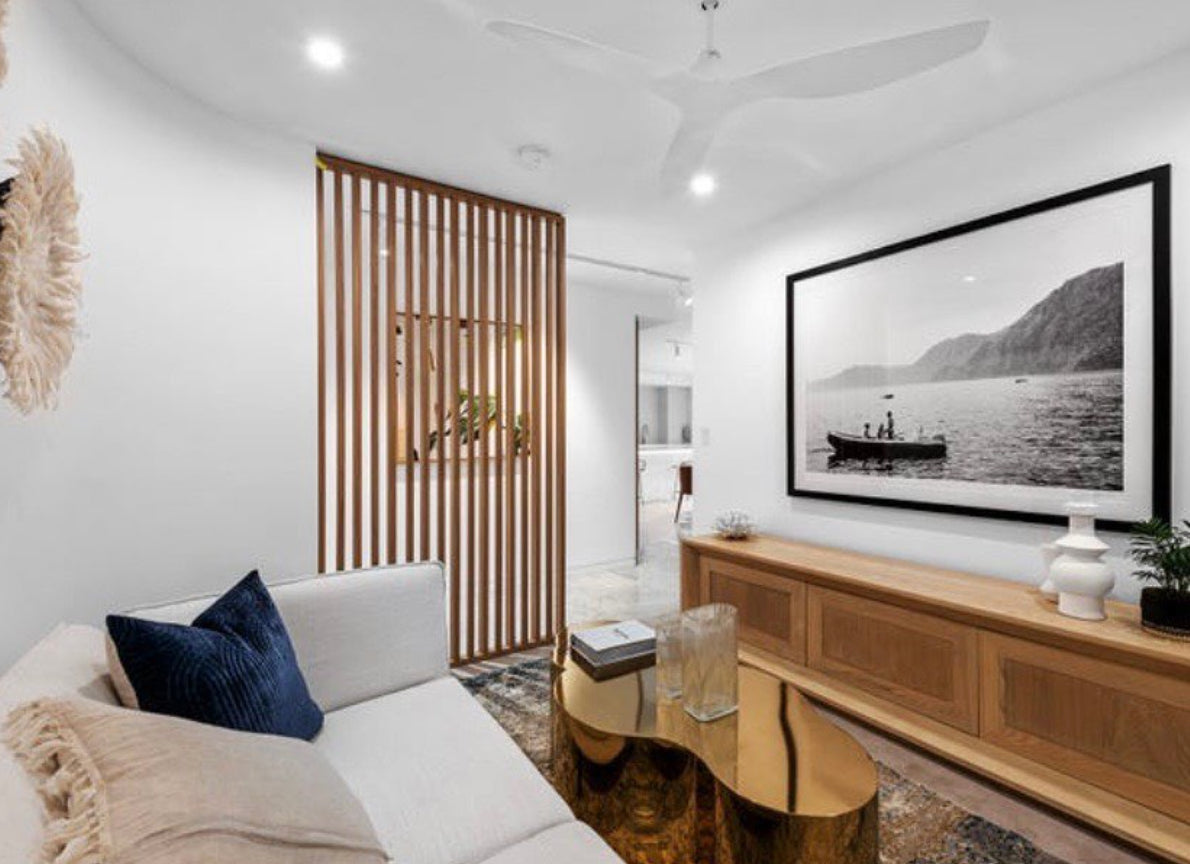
(127, 787)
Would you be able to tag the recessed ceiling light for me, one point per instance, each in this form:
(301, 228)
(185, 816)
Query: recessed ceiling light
(532, 157)
(325, 53)
(703, 185)
(968, 279)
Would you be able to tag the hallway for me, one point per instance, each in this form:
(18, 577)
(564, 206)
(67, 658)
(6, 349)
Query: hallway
(628, 590)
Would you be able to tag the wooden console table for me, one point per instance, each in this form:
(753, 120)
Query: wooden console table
(1091, 718)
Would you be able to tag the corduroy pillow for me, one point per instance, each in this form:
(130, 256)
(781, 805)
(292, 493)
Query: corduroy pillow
(136, 788)
(233, 667)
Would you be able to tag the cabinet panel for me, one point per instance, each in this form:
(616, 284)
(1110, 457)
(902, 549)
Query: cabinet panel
(1120, 728)
(918, 661)
(772, 609)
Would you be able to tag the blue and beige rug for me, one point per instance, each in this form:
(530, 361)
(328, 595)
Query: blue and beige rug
(917, 826)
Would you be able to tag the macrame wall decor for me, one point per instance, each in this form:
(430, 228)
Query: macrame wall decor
(39, 280)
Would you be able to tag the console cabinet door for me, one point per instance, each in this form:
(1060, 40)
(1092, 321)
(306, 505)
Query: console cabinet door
(921, 662)
(1121, 728)
(772, 609)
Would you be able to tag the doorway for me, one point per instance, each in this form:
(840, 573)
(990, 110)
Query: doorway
(665, 462)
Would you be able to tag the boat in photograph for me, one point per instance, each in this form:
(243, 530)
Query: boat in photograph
(858, 447)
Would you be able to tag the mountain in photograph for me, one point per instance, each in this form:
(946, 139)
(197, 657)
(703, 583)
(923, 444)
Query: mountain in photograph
(1078, 327)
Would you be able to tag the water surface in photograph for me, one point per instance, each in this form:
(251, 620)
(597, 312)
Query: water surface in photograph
(1049, 430)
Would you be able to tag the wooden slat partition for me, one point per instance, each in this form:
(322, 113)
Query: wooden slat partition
(448, 370)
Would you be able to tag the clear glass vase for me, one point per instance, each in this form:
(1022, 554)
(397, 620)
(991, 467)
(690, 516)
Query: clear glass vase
(709, 665)
(669, 656)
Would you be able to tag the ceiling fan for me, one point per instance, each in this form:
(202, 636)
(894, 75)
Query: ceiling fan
(706, 99)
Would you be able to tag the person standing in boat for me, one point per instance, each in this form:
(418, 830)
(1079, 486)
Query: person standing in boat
(867, 430)
(891, 433)
(880, 433)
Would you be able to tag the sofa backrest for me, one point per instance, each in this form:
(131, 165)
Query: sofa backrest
(357, 635)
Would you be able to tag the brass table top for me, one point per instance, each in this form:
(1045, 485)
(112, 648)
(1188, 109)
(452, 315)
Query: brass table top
(776, 752)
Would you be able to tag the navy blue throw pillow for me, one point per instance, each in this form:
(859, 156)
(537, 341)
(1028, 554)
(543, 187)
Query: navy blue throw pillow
(233, 667)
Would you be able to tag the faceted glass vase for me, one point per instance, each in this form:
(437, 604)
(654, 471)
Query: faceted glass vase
(669, 656)
(710, 668)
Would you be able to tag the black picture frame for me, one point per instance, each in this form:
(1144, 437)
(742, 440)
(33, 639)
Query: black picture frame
(1160, 180)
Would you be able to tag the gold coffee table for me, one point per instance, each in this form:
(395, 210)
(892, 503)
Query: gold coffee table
(775, 782)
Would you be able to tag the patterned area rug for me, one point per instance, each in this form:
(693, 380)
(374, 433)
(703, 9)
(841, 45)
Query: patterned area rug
(917, 826)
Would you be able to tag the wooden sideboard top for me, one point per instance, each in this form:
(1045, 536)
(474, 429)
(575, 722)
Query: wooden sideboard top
(985, 601)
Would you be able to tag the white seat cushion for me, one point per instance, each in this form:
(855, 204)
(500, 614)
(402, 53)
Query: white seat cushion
(569, 843)
(441, 781)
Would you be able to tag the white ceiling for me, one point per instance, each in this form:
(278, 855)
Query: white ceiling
(427, 91)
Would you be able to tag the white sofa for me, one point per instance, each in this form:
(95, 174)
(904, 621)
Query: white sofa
(441, 781)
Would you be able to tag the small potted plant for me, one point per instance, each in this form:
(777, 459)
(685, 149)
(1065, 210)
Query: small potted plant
(1163, 553)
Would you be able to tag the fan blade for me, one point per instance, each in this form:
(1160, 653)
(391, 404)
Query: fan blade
(587, 56)
(688, 151)
(462, 11)
(865, 67)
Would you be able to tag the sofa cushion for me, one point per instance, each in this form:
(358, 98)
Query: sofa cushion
(233, 667)
(141, 788)
(442, 782)
(67, 662)
(357, 635)
(571, 842)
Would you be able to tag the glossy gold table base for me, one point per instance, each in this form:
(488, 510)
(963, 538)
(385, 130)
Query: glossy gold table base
(654, 803)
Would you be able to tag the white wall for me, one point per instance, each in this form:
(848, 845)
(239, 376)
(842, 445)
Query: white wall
(601, 418)
(182, 454)
(1133, 124)
(658, 363)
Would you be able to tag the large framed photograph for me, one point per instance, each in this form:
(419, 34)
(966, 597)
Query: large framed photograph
(1004, 367)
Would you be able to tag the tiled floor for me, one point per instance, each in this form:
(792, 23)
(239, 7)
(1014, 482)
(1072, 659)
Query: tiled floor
(651, 588)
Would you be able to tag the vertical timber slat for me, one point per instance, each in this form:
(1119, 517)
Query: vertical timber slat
(390, 376)
(476, 609)
(340, 384)
(320, 203)
(498, 331)
(526, 428)
(509, 429)
(549, 419)
(424, 365)
(453, 418)
(560, 413)
(535, 427)
(438, 364)
(484, 488)
(357, 376)
(410, 365)
(374, 352)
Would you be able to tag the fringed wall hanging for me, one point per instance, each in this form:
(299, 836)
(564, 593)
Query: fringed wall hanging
(39, 281)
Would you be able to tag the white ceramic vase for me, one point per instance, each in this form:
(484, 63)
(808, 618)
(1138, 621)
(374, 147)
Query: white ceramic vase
(1079, 573)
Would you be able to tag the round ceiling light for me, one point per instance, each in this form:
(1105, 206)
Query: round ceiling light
(703, 185)
(325, 53)
(532, 157)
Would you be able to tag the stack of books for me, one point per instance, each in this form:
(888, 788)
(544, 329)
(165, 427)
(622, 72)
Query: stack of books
(614, 649)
